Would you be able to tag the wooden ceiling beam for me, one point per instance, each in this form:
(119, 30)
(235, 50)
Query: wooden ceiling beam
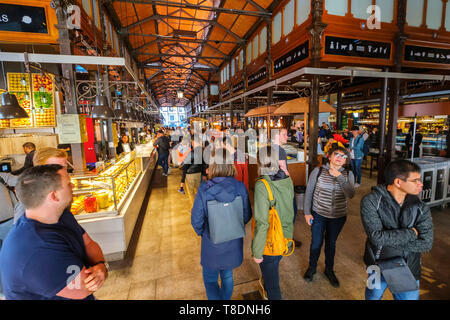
(162, 55)
(198, 7)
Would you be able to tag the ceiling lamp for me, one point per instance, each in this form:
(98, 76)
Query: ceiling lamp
(120, 112)
(180, 94)
(102, 109)
(10, 108)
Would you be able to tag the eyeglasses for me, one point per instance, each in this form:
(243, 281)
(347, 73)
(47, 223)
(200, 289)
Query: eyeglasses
(418, 180)
(340, 155)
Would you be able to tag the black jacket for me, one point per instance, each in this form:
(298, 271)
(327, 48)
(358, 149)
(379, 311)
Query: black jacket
(194, 162)
(119, 148)
(27, 164)
(389, 225)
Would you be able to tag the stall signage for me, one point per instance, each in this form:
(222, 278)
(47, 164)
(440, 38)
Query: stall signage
(19, 18)
(375, 91)
(427, 54)
(71, 128)
(422, 83)
(292, 57)
(258, 76)
(238, 87)
(351, 95)
(357, 48)
(226, 93)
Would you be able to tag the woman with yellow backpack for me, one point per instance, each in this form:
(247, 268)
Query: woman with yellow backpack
(273, 220)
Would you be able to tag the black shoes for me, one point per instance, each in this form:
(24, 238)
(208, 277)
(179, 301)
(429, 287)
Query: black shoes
(332, 278)
(309, 274)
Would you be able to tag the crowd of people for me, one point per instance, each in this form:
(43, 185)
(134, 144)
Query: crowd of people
(46, 243)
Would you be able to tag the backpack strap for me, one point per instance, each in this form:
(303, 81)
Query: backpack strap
(269, 191)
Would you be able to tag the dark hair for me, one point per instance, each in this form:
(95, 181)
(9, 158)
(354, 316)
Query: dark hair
(355, 128)
(29, 145)
(338, 148)
(35, 183)
(160, 131)
(399, 169)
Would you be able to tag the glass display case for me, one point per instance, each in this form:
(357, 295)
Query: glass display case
(102, 194)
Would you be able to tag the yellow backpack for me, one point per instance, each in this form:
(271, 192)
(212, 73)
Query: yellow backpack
(276, 243)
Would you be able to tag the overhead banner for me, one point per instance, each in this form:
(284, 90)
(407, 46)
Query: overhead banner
(357, 48)
(292, 57)
(258, 76)
(427, 54)
(238, 87)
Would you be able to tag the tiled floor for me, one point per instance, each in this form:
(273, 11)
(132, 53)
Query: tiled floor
(163, 260)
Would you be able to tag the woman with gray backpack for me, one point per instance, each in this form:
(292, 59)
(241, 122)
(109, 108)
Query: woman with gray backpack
(325, 208)
(221, 210)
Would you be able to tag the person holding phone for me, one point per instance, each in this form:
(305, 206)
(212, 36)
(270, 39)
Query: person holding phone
(326, 195)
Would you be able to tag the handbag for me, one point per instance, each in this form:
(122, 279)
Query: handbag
(226, 220)
(395, 270)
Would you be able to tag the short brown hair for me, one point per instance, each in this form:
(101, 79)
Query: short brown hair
(339, 148)
(35, 183)
(221, 164)
(42, 155)
(29, 145)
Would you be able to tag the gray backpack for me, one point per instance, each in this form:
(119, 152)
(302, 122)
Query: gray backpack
(226, 220)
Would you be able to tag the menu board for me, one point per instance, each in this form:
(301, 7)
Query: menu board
(292, 57)
(257, 76)
(19, 18)
(427, 54)
(226, 93)
(357, 48)
(238, 87)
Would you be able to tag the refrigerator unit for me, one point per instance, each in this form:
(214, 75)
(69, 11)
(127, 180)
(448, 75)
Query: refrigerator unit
(428, 173)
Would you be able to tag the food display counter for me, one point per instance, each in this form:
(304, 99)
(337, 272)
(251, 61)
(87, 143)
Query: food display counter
(107, 204)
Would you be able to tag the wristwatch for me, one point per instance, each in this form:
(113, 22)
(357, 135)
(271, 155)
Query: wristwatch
(105, 263)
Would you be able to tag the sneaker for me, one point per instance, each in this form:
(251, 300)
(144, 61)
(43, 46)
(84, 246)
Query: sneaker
(181, 190)
(332, 278)
(261, 289)
(164, 174)
(168, 171)
(357, 185)
(309, 274)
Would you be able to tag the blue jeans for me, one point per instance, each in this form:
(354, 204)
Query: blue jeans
(356, 168)
(377, 294)
(271, 275)
(213, 291)
(330, 229)
(163, 161)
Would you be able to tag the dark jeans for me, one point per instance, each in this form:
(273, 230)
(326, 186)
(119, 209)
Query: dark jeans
(211, 278)
(330, 229)
(163, 161)
(356, 168)
(271, 275)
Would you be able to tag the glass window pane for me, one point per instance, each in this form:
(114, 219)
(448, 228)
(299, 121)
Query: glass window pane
(241, 60)
(95, 13)
(386, 10)
(255, 47)
(303, 10)
(359, 8)
(414, 12)
(336, 7)
(289, 17)
(214, 90)
(447, 18)
(86, 7)
(276, 28)
(232, 67)
(249, 53)
(263, 40)
(434, 14)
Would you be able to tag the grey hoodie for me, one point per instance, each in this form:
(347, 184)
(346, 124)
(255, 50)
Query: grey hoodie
(389, 225)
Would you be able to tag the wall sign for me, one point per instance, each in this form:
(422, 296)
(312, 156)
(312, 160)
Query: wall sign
(355, 94)
(258, 76)
(18, 18)
(238, 87)
(427, 54)
(226, 93)
(292, 57)
(357, 48)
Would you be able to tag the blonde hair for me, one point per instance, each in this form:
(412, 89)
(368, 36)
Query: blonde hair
(220, 165)
(42, 155)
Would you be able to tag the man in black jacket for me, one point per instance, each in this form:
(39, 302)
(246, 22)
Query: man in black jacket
(162, 144)
(29, 148)
(397, 222)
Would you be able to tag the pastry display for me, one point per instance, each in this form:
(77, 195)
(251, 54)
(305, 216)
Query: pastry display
(77, 205)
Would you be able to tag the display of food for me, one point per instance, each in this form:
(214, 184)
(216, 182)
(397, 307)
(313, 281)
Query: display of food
(24, 101)
(42, 83)
(77, 205)
(18, 82)
(45, 117)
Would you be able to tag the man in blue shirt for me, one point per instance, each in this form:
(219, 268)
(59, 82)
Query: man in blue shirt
(44, 255)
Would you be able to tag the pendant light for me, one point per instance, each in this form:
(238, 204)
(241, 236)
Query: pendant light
(120, 112)
(10, 108)
(101, 109)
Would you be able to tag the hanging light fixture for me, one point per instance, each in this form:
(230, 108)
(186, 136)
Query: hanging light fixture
(102, 109)
(10, 108)
(120, 112)
(180, 94)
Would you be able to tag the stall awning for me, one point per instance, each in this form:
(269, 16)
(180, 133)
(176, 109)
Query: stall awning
(425, 109)
(262, 111)
(301, 105)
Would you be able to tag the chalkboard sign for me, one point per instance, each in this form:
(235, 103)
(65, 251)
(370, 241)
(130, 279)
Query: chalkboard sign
(292, 57)
(258, 76)
(18, 18)
(238, 87)
(427, 54)
(357, 48)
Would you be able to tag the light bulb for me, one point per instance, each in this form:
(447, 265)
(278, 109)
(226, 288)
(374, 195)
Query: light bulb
(44, 99)
(41, 110)
(42, 89)
(23, 82)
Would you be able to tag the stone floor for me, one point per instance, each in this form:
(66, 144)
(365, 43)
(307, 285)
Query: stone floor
(163, 260)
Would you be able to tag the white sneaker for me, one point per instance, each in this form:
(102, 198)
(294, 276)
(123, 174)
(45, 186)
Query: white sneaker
(168, 171)
(357, 185)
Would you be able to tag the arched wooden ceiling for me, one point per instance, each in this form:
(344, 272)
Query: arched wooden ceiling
(181, 44)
